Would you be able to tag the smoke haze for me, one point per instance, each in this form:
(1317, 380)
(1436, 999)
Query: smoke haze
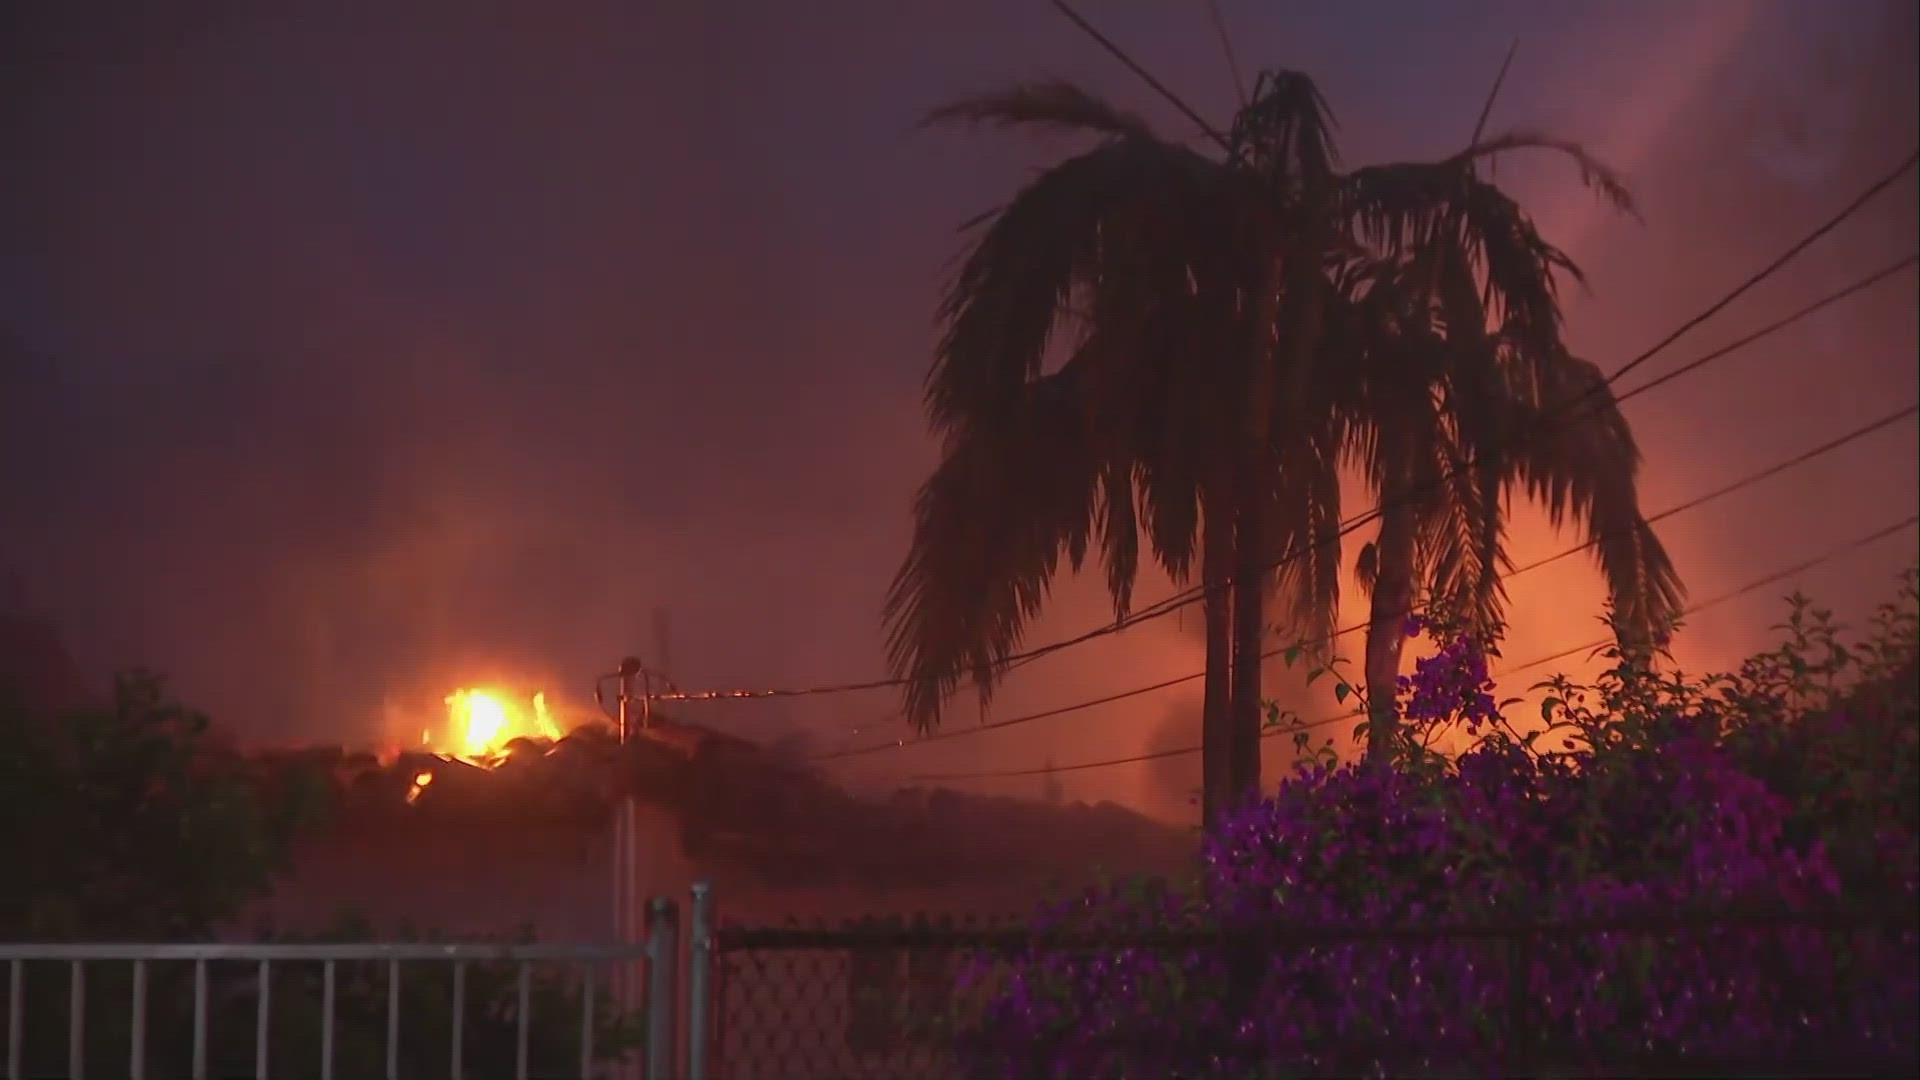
(364, 351)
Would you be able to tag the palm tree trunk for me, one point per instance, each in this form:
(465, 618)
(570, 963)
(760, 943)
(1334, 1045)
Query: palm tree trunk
(1296, 281)
(1216, 563)
(1251, 572)
(1386, 624)
(1249, 625)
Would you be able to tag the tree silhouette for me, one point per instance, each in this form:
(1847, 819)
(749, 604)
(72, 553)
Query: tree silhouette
(1151, 341)
(1450, 419)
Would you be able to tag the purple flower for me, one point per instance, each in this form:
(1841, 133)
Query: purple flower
(1350, 847)
(1677, 795)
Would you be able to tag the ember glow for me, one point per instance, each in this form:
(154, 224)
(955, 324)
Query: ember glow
(420, 782)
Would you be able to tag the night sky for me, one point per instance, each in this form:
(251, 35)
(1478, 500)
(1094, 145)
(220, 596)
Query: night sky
(366, 353)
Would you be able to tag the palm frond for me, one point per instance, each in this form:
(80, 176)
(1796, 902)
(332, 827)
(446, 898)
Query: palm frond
(991, 524)
(1360, 338)
(1303, 525)
(1050, 102)
(1171, 502)
(1014, 287)
(1582, 462)
(1603, 179)
(1287, 130)
(1119, 529)
(1410, 210)
(1154, 362)
(1480, 405)
(1463, 539)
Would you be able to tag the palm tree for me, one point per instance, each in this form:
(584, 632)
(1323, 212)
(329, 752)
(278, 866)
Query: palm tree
(1449, 418)
(1207, 388)
(1135, 249)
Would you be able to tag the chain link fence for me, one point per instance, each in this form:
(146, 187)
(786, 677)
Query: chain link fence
(943, 998)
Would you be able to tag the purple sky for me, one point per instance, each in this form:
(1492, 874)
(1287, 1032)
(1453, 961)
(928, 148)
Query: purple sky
(381, 351)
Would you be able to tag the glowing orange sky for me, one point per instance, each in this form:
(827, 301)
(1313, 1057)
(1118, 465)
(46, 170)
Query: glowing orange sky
(533, 325)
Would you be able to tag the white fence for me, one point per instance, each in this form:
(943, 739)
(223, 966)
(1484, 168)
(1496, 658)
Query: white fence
(641, 984)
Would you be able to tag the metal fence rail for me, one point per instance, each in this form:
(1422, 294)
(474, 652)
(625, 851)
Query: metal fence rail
(218, 981)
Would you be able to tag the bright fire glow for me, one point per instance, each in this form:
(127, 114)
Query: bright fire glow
(479, 718)
(480, 724)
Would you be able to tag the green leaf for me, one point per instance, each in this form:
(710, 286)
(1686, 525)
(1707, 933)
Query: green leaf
(1547, 705)
(1340, 692)
(1314, 674)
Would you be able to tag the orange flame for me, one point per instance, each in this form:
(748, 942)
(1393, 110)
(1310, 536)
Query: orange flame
(480, 724)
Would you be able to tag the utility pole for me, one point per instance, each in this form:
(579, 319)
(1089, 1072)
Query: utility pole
(628, 980)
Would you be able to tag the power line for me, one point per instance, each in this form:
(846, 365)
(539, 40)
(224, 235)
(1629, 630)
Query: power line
(1774, 327)
(1012, 721)
(1486, 110)
(1226, 48)
(1774, 267)
(1014, 661)
(1751, 586)
(1145, 76)
(1701, 500)
(785, 692)
(1178, 751)
(1187, 597)
(1750, 479)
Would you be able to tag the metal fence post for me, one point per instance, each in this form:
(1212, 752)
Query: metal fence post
(700, 981)
(663, 999)
(1520, 997)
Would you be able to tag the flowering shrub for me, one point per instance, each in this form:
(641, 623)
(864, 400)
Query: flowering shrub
(1689, 801)
(1452, 684)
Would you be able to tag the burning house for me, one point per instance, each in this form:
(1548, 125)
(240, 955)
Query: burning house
(510, 832)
